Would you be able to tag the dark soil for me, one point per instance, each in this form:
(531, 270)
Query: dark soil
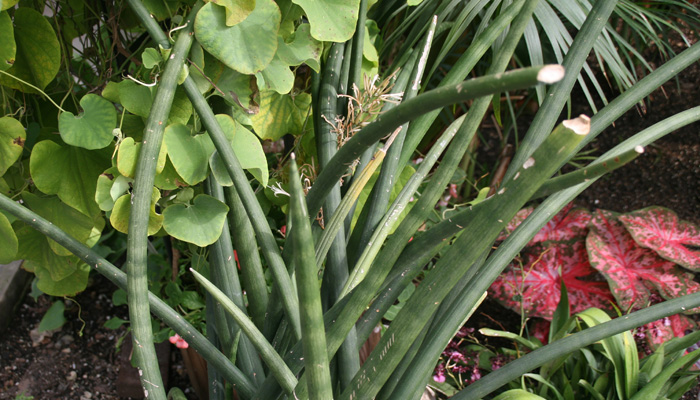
(65, 364)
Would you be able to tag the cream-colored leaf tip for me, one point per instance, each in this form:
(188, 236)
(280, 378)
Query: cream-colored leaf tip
(552, 73)
(580, 125)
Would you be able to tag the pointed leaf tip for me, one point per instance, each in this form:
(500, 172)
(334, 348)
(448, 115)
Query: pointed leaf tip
(551, 74)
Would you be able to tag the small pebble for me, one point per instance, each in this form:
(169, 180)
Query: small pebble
(72, 376)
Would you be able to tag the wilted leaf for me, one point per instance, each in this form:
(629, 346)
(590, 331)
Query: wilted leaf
(659, 229)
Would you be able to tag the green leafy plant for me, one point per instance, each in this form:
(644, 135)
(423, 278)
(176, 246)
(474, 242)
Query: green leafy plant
(187, 161)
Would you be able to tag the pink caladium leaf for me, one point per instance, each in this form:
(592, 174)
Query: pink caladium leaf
(632, 272)
(659, 229)
(534, 289)
(658, 332)
(569, 224)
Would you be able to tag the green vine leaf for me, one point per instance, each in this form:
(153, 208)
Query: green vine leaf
(8, 250)
(248, 150)
(247, 47)
(74, 223)
(5, 4)
(189, 154)
(122, 210)
(300, 48)
(128, 155)
(200, 223)
(236, 10)
(135, 98)
(38, 56)
(331, 20)
(275, 118)
(276, 76)
(69, 172)
(8, 47)
(12, 138)
(92, 129)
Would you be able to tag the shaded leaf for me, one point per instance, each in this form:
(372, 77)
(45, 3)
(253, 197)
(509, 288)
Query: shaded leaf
(659, 229)
(12, 138)
(91, 129)
(38, 55)
(8, 250)
(189, 154)
(69, 172)
(200, 223)
(535, 288)
(53, 318)
(8, 48)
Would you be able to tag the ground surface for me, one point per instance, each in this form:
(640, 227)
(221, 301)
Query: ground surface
(65, 365)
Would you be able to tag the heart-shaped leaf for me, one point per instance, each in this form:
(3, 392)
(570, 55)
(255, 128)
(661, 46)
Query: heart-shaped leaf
(659, 229)
(8, 48)
(236, 10)
(38, 55)
(247, 47)
(69, 172)
(331, 20)
(71, 284)
(92, 129)
(632, 271)
(151, 57)
(275, 118)
(276, 76)
(300, 48)
(569, 224)
(189, 154)
(128, 156)
(534, 289)
(8, 250)
(135, 98)
(12, 137)
(77, 225)
(248, 150)
(122, 210)
(200, 223)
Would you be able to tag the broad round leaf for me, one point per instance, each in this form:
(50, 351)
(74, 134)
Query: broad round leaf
(135, 98)
(300, 48)
(236, 10)
(69, 172)
(331, 20)
(8, 4)
(92, 129)
(189, 154)
(247, 47)
(8, 48)
(128, 155)
(34, 247)
(122, 210)
(276, 76)
(38, 54)
(275, 117)
(71, 284)
(77, 225)
(200, 223)
(8, 250)
(248, 150)
(12, 137)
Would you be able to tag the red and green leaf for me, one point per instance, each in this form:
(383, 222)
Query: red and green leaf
(665, 329)
(659, 229)
(632, 272)
(569, 224)
(534, 290)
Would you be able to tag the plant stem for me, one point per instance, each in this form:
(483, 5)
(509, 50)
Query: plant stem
(136, 263)
(116, 276)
